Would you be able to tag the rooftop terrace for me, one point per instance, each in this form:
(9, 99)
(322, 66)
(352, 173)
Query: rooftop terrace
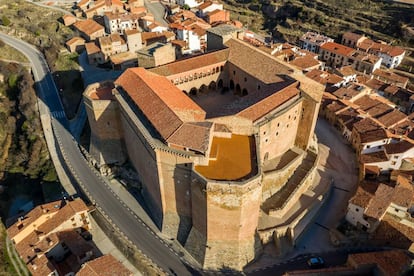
(231, 159)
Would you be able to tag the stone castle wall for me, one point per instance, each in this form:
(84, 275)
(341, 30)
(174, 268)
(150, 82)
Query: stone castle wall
(224, 222)
(106, 145)
(273, 181)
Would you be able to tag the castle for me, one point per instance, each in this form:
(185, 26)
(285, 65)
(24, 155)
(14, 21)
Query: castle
(222, 143)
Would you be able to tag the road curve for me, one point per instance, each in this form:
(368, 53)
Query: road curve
(106, 201)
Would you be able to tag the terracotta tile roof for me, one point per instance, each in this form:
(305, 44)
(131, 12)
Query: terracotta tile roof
(390, 262)
(104, 266)
(256, 63)
(372, 170)
(394, 233)
(352, 36)
(374, 135)
(75, 40)
(337, 48)
(131, 32)
(379, 110)
(365, 125)
(324, 77)
(347, 71)
(396, 51)
(391, 89)
(77, 245)
(335, 106)
(179, 43)
(91, 48)
(347, 93)
(41, 266)
(305, 62)
(194, 136)
(33, 215)
(390, 76)
(374, 157)
(380, 202)
(206, 4)
(263, 107)
(399, 147)
(162, 103)
(88, 26)
(192, 63)
(346, 115)
(364, 193)
(392, 118)
(147, 37)
(315, 38)
(403, 193)
(366, 102)
(376, 84)
(181, 16)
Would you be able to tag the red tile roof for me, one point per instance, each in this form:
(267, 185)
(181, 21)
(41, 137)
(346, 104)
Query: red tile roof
(399, 147)
(188, 64)
(162, 103)
(392, 118)
(194, 136)
(337, 48)
(263, 107)
(88, 26)
(104, 266)
(390, 262)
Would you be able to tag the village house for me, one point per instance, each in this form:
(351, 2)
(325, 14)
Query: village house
(111, 45)
(217, 16)
(375, 204)
(156, 54)
(207, 7)
(390, 78)
(91, 8)
(104, 265)
(391, 56)
(337, 55)
(75, 44)
(94, 53)
(120, 22)
(193, 32)
(134, 40)
(69, 20)
(89, 29)
(148, 37)
(189, 3)
(312, 41)
(50, 234)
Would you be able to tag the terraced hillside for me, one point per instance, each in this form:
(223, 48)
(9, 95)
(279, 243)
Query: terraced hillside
(288, 19)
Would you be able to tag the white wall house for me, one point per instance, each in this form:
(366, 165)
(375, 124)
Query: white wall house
(392, 59)
(374, 146)
(118, 23)
(190, 3)
(207, 7)
(355, 215)
(193, 39)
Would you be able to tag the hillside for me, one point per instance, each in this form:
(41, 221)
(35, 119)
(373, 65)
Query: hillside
(288, 19)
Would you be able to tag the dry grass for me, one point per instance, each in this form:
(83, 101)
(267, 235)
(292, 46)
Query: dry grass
(10, 54)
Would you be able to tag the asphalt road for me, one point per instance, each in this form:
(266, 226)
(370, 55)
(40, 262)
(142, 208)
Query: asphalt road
(87, 177)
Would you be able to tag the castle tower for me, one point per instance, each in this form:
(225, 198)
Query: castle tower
(106, 145)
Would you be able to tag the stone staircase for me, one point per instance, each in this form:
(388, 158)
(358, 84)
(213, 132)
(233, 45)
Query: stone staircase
(279, 199)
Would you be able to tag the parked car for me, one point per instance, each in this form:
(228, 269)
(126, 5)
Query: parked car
(316, 262)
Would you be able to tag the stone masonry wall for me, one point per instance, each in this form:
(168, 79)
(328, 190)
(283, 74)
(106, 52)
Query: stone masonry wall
(228, 228)
(273, 181)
